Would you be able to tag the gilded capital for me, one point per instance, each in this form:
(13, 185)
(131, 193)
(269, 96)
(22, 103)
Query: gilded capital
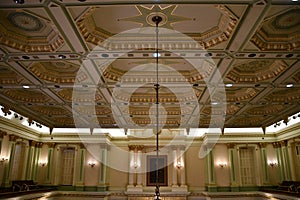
(39, 144)
(262, 144)
(51, 144)
(2, 133)
(13, 138)
(283, 143)
(231, 145)
(136, 147)
(81, 146)
(276, 145)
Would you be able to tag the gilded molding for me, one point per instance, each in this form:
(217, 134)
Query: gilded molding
(136, 147)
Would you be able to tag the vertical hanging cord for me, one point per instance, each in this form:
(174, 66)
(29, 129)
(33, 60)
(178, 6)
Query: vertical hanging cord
(156, 88)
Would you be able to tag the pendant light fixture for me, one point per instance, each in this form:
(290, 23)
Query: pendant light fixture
(157, 19)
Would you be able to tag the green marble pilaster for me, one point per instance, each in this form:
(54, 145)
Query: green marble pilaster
(286, 163)
(35, 165)
(264, 163)
(280, 163)
(30, 162)
(210, 169)
(233, 167)
(81, 164)
(49, 163)
(9, 166)
(103, 182)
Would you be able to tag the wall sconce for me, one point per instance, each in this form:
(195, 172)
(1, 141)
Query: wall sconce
(222, 164)
(91, 163)
(179, 165)
(3, 159)
(135, 165)
(43, 164)
(272, 163)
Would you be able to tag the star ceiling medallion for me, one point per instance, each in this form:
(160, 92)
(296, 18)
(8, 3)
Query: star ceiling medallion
(166, 13)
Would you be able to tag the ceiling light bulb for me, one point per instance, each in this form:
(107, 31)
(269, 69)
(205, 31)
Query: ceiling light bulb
(156, 55)
(26, 86)
(289, 85)
(228, 85)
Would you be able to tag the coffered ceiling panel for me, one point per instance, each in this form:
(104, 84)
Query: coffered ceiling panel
(91, 63)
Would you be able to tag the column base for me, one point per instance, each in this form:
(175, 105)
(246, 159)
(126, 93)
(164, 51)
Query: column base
(179, 188)
(102, 188)
(79, 187)
(211, 187)
(234, 187)
(134, 189)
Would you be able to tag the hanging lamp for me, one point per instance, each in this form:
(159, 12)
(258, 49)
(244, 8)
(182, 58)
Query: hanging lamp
(157, 19)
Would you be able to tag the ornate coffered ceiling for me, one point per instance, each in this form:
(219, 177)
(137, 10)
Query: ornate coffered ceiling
(103, 52)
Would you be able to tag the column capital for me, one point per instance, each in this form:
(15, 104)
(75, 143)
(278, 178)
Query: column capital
(276, 144)
(81, 146)
(262, 144)
(39, 144)
(2, 133)
(231, 145)
(32, 143)
(283, 143)
(13, 138)
(50, 144)
(136, 147)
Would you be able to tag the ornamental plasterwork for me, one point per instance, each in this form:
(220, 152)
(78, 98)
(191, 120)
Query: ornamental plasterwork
(66, 121)
(240, 94)
(280, 32)
(50, 110)
(296, 78)
(249, 120)
(265, 109)
(28, 33)
(99, 110)
(7, 76)
(57, 72)
(28, 96)
(84, 96)
(215, 34)
(230, 110)
(284, 95)
(256, 71)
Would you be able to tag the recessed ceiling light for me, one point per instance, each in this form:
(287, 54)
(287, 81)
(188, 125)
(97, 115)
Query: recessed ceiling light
(289, 85)
(214, 103)
(26, 86)
(19, 1)
(156, 55)
(294, 0)
(228, 85)
(61, 56)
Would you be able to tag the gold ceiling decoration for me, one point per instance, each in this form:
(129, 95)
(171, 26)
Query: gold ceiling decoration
(28, 33)
(26, 96)
(254, 45)
(166, 13)
(280, 32)
(7, 76)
